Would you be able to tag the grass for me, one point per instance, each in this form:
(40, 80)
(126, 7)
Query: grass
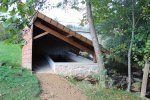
(95, 92)
(10, 54)
(15, 83)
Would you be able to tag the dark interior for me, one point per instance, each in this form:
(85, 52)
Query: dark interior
(48, 46)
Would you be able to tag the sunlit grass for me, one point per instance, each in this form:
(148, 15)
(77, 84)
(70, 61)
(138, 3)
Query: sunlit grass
(15, 83)
(10, 54)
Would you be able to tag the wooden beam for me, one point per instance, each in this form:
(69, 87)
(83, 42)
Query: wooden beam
(69, 36)
(62, 37)
(40, 35)
(65, 29)
(94, 58)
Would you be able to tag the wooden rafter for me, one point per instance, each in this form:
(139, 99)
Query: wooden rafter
(62, 37)
(40, 35)
(69, 36)
(63, 28)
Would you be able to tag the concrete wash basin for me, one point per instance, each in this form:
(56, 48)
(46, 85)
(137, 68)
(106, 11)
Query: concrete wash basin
(71, 64)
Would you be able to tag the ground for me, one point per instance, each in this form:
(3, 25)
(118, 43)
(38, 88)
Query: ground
(55, 87)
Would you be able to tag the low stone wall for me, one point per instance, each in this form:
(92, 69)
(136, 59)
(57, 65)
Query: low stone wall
(75, 68)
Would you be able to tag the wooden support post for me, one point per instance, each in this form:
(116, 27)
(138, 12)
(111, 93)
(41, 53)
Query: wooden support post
(145, 78)
(94, 58)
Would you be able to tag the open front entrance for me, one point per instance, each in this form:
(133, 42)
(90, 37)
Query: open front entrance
(48, 51)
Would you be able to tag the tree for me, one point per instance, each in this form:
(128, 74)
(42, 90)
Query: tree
(114, 20)
(146, 68)
(16, 18)
(74, 5)
(130, 47)
(96, 45)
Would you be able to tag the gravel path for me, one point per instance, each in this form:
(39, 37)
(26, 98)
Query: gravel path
(55, 87)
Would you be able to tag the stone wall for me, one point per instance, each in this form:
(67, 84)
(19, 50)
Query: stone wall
(76, 68)
(27, 49)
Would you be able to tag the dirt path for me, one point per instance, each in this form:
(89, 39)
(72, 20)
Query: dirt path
(57, 88)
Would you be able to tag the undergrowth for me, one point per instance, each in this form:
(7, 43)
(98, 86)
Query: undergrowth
(96, 92)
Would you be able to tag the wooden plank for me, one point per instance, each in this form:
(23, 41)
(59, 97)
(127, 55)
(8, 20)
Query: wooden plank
(54, 23)
(47, 19)
(62, 37)
(41, 15)
(60, 26)
(72, 33)
(89, 42)
(83, 39)
(78, 36)
(66, 30)
(40, 35)
(69, 36)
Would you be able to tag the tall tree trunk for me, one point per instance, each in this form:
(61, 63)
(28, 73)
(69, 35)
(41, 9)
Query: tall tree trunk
(96, 45)
(130, 47)
(145, 78)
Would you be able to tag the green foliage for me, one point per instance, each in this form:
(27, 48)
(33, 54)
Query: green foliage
(1, 30)
(147, 50)
(17, 84)
(72, 80)
(17, 13)
(113, 22)
(101, 77)
(96, 92)
(71, 4)
(10, 54)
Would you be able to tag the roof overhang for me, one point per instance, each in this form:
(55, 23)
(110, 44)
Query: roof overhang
(58, 30)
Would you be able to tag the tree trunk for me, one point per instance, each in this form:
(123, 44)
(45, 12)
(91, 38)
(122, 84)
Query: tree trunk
(130, 47)
(145, 78)
(96, 45)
